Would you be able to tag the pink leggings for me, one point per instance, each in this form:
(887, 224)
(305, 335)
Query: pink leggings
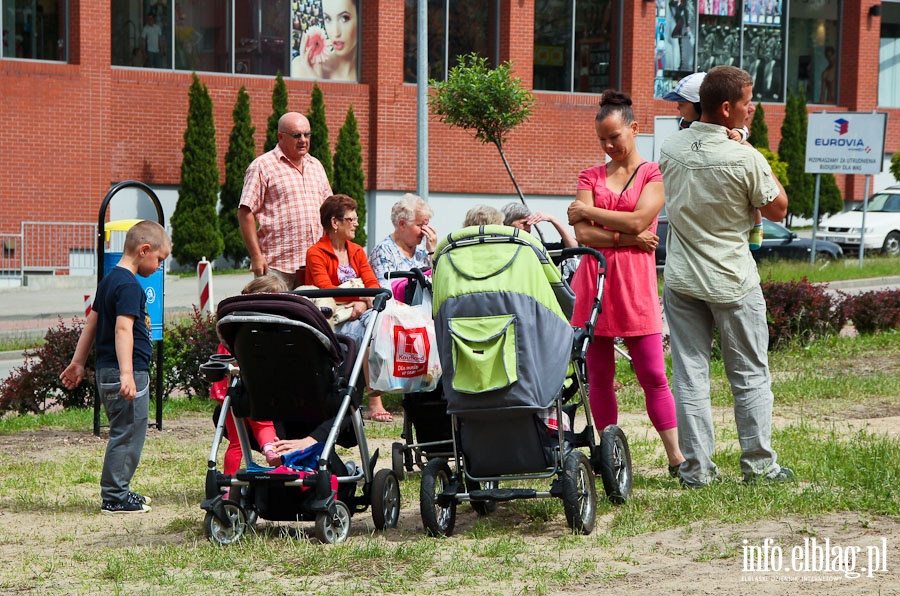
(649, 366)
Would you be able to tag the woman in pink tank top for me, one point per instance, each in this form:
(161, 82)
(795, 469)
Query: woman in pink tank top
(615, 211)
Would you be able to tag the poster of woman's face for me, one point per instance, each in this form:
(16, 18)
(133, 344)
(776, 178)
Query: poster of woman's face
(325, 39)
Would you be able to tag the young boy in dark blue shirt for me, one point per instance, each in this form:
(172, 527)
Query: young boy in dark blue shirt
(119, 322)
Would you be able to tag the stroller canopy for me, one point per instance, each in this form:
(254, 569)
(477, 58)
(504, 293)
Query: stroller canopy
(492, 268)
(290, 359)
(501, 320)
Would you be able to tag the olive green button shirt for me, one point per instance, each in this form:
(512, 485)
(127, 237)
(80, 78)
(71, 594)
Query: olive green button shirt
(712, 185)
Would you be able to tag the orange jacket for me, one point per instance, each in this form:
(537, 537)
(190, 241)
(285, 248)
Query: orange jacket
(322, 265)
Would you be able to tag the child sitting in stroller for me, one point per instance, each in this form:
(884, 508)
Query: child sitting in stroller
(263, 430)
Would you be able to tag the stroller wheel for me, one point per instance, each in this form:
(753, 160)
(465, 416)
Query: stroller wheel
(579, 493)
(221, 532)
(385, 500)
(331, 529)
(614, 463)
(438, 514)
(397, 456)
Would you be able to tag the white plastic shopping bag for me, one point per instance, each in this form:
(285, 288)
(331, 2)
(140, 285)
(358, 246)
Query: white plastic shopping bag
(403, 357)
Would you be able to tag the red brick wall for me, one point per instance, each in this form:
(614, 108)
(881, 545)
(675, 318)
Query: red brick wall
(54, 124)
(68, 131)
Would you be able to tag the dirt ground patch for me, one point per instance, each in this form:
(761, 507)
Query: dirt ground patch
(702, 558)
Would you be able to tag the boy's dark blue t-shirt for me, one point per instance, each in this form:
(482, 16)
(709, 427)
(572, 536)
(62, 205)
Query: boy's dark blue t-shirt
(119, 293)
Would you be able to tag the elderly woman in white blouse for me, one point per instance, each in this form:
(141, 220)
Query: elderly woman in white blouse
(411, 243)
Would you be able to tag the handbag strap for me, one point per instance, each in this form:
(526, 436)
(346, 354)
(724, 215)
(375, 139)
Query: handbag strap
(630, 180)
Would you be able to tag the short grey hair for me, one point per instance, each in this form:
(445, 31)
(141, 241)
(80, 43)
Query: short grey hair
(408, 207)
(482, 215)
(514, 212)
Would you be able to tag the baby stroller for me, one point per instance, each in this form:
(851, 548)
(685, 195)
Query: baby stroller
(426, 425)
(507, 350)
(290, 367)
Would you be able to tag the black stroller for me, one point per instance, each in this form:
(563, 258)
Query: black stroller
(290, 367)
(513, 378)
(426, 424)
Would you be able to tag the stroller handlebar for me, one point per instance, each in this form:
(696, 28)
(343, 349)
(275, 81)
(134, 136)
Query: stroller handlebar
(584, 250)
(414, 273)
(381, 295)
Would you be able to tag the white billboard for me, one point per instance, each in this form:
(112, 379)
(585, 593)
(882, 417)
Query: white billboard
(845, 142)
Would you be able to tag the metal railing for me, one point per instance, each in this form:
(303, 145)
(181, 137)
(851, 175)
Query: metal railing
(10, 259)
(54, 248)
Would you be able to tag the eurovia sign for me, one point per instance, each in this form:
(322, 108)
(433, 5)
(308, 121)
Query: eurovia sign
(845, 142)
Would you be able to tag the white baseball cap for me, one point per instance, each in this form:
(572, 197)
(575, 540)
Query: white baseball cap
(687, 89)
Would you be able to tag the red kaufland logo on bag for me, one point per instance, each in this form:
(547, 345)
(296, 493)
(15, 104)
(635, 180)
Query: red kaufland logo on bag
(411, 348)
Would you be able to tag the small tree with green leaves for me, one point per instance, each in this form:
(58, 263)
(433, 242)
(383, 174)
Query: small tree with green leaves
(319, 147)
(241, 151)
(349, 178)
(194, 231)
(279, 109)
(895, 166)
(489, 101)
(759, 130)
(779, 168)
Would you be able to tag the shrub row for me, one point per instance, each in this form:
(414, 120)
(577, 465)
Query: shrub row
(35, 385)
(797, 311)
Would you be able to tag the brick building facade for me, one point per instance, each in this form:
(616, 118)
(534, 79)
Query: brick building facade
(69, 130)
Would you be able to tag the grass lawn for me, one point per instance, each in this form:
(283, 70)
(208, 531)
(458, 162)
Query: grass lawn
(837, 415)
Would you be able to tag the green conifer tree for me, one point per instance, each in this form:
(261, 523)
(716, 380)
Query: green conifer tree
(759, 130)
(792, 151)
(279, 109)
(895, 165)
(194, 231)
(319, 147)
(349, 178)
(830, 199)
(241, 151)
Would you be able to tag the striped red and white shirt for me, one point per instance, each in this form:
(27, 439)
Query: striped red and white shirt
(285, 203)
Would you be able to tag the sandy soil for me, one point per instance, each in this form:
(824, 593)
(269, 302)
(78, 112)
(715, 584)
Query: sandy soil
(704, 558)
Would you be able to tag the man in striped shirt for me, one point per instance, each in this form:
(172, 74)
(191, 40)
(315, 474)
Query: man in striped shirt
(283, 190)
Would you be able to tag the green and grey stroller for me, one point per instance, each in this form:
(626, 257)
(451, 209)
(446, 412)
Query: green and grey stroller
(513, 379)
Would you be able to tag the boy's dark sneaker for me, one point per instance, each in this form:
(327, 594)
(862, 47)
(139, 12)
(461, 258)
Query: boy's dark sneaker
(126, 506)
(139, 499)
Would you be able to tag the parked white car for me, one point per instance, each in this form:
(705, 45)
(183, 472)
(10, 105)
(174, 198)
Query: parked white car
(882, 224)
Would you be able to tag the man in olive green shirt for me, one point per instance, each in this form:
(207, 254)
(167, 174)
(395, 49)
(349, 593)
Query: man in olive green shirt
(713, 185)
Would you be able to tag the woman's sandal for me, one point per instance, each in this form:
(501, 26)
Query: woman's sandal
(383, 416)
